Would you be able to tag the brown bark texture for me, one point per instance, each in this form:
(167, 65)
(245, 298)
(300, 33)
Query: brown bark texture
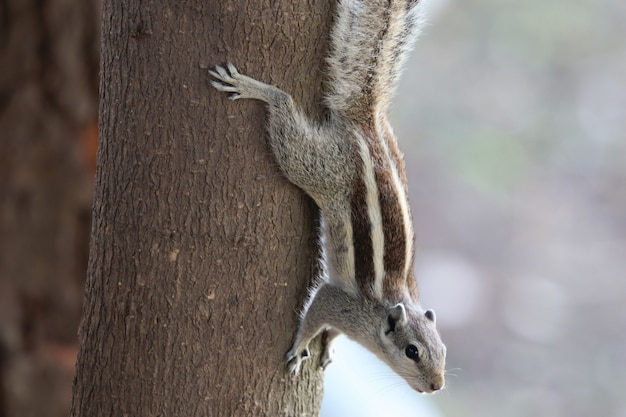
(48, 101)
(201, 251)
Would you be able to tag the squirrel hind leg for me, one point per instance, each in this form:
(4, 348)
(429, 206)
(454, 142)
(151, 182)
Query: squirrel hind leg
(229, 80)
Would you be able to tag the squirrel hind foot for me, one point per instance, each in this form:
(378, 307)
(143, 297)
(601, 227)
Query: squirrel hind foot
(229, 80)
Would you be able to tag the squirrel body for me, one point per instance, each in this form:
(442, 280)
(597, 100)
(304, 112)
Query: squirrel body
(351, 166)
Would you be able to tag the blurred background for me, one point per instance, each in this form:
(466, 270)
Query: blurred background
(49, 53)
(511, 116)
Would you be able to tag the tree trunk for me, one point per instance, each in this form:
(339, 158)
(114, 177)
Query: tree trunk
(48, 107)
(201, 251)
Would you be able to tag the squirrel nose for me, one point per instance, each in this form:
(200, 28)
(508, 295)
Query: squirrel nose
(437, 384)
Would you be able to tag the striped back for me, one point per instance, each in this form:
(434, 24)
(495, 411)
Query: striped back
(381, 218)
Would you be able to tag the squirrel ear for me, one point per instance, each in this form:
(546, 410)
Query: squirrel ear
(397, 315)
(430, 315)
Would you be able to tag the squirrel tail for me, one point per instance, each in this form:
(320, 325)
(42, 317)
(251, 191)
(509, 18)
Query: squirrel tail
(370, 40)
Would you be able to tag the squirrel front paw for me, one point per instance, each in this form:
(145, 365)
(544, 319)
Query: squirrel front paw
(328, 355)
(328, 347)
(295, 359)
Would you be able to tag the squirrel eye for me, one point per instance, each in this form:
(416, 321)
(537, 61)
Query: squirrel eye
(412, 353)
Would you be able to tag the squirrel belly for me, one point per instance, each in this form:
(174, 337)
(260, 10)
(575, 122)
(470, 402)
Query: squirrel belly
(353, 169)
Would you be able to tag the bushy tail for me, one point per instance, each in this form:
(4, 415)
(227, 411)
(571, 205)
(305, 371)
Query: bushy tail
(370, 40)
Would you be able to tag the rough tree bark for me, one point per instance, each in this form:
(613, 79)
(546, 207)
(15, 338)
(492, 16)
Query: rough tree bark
(201, 251)
(48, 106)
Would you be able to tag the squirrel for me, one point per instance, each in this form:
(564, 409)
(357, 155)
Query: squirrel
(351, 166)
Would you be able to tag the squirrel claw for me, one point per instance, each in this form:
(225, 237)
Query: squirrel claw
(293, 365)
(294, 360)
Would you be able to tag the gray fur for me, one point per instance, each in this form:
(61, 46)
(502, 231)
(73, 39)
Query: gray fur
(370, 41)
(327, 161)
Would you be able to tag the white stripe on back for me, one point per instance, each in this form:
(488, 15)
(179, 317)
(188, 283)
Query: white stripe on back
(402, 201)
(375, 216)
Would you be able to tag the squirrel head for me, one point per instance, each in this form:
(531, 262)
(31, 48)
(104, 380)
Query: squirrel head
(411, 346)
